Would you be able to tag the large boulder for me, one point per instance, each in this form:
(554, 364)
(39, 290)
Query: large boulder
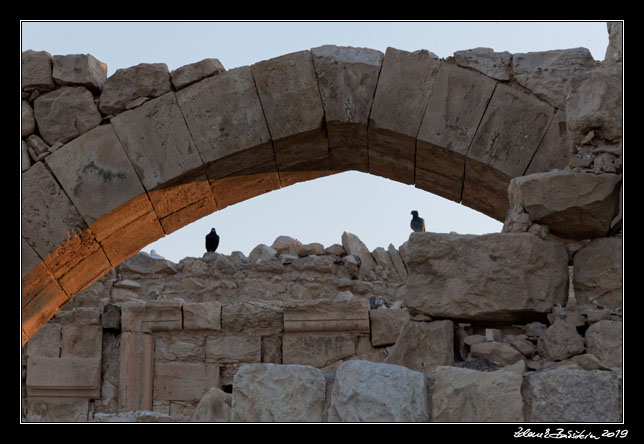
(423, 346)
(129, 84)
(495, 277)
(373, 392)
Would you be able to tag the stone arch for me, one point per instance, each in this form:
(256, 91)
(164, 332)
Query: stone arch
(169, 151)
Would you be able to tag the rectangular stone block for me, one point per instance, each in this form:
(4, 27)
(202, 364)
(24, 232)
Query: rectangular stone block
(288, 90)
(64, 377)
(350, 316)
(347, 79)
(135, 371)
(202, 316)
(385, 326)
(245, 184)
(252, 317)
(494, 277)
(81, 341)
(231, 349)
(151, 316)
(42, 296)
(510, 132)
(555, 149)
(184, 381)
(456, 105)
(405, 82)
(46, 342)
(307, 170)
(317, 349)
(95, 173)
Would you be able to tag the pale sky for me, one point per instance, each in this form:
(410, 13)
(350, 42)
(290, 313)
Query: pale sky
(375, 209)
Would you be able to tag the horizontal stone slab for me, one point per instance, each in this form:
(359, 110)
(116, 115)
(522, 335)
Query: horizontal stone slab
(317, 349)
(183, 381)
(494, 277)
(350, 316)
(151, 316)
(77, 377)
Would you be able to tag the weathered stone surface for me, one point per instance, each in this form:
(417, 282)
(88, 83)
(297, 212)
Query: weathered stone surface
(594, 103)
(499, 276)
(365, 391)
(65, 113)
(45, 409)
(604, 340)
(423, 346)
(497, 65)
(573, 205)
(278, 393)
(151, 316)
(495, 352)
(228, 102)
(347, 79)
(202, 316)
(547, 73)
(287, 245)
(128, 84)
(615, 37)
(456, 104)
(136, 416)
(597, 273)
(81, 341)
(508, 136)
(290, 98)
(95, 173)
(252, 317)
(554, 150)
(347, 316)
(397, 261)
(317, 349)
(27, 122)
(36, 71)
(184, 381)
(385, 325)
(560, 341)
(79, 69)
(193, 72)
(144, 264)
(237, 348)
(405, 81)
(522, 344)
(314, 248)
(25, 159)
(64, 376)
(568, 394)
(464, 395)
(354, 246)
(215, 406)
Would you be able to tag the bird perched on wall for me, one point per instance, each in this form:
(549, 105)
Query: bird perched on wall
(417, 223)
(212, 240)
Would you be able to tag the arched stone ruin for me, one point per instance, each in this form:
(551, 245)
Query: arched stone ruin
(112, 164)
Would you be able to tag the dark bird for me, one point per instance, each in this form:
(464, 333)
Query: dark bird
(212, 240)
(417, 223)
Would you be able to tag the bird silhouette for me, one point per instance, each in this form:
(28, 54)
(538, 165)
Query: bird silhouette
(417, 223)
(212, 240)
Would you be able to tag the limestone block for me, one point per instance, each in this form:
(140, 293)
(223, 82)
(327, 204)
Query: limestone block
(568, 394)
(158, 142)
(184, 381)
(464, 395)
(456, 105)
(347, 79)
(397, 261)
(597, 273)
(318, 264)
(496, 352)
(57, 410)
(46, 342)
(286, 244)
(508, 136)
(365, 391)
(314, 248)
(135, 416)
(180, 346)
(65, 113)
(95, 173)
(423, 346)
(317, 349)
(615, 37)
(202, 316)
(237, 348)
(405, 82)
(262, 253)
(144, 264)
(79, 69)
(497, 65)
(27, 122)
(290, 97)
(25, 159)
(547, 73)
(214, 406)
(135, 371)
(386, 325)
(193, 72)
(355, 247)
(244, 184)
(36, 67)
(151, 316)
(226, 120)
(64, 377)
(498, 276)
(278, 393)
(129, 84)
(81, 341)
(555, 149)
(604, 340)
(252, 317)
(560, 341)
(573, 205)
(594, 103)
(345, 316)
